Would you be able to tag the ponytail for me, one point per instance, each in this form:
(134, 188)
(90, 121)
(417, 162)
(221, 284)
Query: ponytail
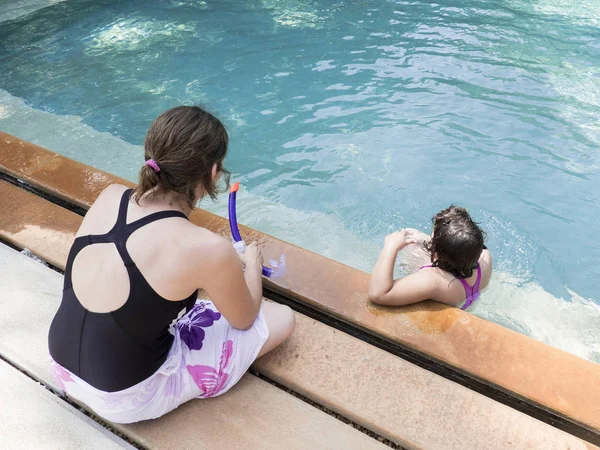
(148, 180)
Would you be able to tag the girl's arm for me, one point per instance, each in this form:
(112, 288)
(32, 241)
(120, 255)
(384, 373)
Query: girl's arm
(415, 256)
(404, 291)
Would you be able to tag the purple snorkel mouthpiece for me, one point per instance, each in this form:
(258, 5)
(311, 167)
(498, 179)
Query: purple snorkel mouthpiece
(278, 268)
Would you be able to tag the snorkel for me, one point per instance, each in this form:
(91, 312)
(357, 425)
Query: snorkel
(278, 269)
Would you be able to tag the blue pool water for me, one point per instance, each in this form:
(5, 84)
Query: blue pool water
(349, 119)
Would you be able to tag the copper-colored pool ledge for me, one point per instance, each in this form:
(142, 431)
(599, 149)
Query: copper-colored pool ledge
(538, 373)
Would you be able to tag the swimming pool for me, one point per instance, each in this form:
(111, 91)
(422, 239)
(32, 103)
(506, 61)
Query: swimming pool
(351, 119)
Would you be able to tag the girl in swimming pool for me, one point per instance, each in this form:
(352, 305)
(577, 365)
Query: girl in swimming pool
(457, 253)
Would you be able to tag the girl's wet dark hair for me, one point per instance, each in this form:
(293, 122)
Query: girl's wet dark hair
(457, 242)
(185, 142)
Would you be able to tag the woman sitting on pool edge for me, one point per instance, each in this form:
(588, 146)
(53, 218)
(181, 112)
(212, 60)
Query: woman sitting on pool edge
(457, 253)
(131, 339)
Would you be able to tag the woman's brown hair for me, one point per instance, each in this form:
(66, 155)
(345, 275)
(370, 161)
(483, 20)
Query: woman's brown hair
(185, 142)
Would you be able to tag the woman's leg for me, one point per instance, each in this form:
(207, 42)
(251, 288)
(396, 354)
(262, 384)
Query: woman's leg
(281, 322)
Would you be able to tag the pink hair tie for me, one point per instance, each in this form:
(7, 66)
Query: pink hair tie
(153, 164)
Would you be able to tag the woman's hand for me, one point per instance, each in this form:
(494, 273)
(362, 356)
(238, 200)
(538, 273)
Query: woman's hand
(252, 256)
(398, 240)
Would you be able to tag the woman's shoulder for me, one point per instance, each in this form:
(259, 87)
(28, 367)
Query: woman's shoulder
(207, 244)
(206, 252)
(113, 189)
(102, 214)
(107, 198)
(109, 193)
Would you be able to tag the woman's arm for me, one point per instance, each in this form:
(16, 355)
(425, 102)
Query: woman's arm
(236, 294)
(252, 261)
(404, 291)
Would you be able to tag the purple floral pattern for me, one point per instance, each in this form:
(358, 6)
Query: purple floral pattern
(210, 380)
(191, 325)
(61, 375)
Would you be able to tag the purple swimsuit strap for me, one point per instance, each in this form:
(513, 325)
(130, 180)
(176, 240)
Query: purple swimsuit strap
(472, 292)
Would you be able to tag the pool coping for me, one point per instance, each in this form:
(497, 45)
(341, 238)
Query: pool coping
(482, 352)
(323, 366)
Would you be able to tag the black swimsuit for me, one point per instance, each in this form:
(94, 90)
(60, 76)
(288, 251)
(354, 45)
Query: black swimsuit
(115, 350)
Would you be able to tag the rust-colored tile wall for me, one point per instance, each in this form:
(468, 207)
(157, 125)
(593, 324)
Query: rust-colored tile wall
(28, 221)
(19, 157)
(555, 379)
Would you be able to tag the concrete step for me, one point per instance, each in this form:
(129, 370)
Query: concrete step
(31, 417)
(254, 414)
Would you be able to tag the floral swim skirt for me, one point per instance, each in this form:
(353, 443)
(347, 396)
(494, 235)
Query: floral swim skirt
(208, 357)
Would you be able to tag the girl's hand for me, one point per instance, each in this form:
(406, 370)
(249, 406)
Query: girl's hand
(252, 256)
(398, 240)
(417, 235)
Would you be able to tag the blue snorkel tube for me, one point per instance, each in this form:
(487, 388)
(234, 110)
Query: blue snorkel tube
(278, 269)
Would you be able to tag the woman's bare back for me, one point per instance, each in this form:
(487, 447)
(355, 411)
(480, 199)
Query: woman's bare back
(160, 250)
